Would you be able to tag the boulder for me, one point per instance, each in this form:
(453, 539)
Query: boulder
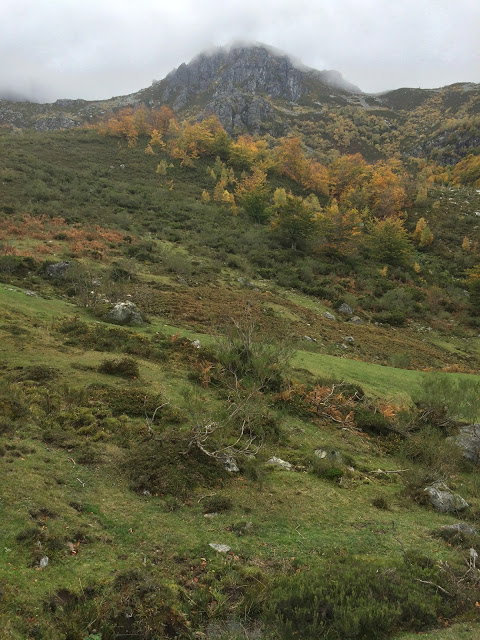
(57, 270)
(460, 527)
(329, 316)
(333, 455)
(125, 313)
(196, 344)
(442, 498)
(278, 462)
(350, 339)
(356, 320)
(230, 465)
(346, 309)
(468, 440)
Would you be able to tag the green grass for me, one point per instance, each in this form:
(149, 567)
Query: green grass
(195, 273)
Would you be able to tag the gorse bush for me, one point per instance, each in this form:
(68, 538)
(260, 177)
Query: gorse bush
(242, 355)
(444, 399)
(169, 465)
(125, 368)
(358, 602)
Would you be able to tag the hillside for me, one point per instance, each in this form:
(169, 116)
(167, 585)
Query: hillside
(240, 374)
(254, 89)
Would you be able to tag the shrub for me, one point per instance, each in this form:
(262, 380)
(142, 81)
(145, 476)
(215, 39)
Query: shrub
(429, 448)
(38, 373)
(170, 466)
(457, 537)
(125, 368)
(444, 398)
(380, 502)
(372, 422)
(217, 504)
(358, 601)
(394, 318)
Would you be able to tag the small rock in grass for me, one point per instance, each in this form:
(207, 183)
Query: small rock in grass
(346, 309)
(281, 464)
(221, 548)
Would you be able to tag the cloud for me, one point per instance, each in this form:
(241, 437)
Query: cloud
(96, 49)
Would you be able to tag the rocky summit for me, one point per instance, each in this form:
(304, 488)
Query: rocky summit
(253, 88)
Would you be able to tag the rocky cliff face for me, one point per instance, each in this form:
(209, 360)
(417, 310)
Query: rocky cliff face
(254, 89)
(241, 85)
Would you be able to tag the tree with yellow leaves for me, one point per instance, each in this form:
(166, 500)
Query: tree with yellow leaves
(387, 242)
(252, 193)
(422, 236)
(294, 222)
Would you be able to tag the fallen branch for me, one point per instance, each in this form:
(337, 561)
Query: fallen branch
(437, 586)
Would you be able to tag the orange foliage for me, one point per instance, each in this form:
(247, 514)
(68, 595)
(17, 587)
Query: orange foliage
(292, 162)
(94, 242)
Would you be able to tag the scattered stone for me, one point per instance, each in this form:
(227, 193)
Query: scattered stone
(329, 316)
(332, 455)
(309, 339)
(460, 527)
(196, 344)
(442, 499)
(230, 465)
(221, 548)
(57, 270)
(281, 464)
(356, 320)
(125, 313)
(346, 309)
(214, 514)
(43, 562)
(350, 339)
(468, 440)
(30, 293)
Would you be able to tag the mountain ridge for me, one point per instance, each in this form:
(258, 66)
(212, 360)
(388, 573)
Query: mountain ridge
(255, 89)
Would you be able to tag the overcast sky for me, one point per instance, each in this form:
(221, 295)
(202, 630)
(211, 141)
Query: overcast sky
(95, 49)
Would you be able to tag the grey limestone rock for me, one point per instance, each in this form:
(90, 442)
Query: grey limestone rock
(57, 270)
(346, 309)
(468, 440)
(332, 455)
(442, 498)
(279, 463)
(230, 465)
(460, 527)
(220, 548)
(125, 313)
(356, 320)
(329, 316)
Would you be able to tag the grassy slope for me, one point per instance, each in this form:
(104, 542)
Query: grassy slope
(121, 530)
(118, 529)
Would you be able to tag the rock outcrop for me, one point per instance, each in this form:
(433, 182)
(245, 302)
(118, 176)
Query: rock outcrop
(443, 499)
(125, 313)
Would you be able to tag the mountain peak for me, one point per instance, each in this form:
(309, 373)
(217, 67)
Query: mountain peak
(244, 82)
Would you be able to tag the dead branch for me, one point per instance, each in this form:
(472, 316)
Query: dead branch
(437, 586)
(151, 419)
(396, 471)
